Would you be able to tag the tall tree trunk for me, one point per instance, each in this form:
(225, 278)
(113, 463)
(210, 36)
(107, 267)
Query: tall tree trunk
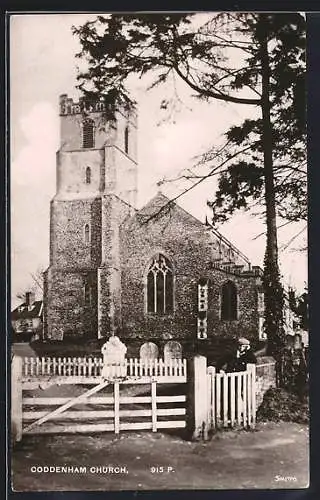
(272, 284)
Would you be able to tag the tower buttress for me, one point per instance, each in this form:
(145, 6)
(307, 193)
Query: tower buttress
(96, 188)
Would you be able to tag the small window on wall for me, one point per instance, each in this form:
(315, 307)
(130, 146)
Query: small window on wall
(87, 294)
(126, 139)
(88, 175)
(229, 301)
(262, 333)
(88, 133)
(25, 325)
(87, 233)
(261, 302)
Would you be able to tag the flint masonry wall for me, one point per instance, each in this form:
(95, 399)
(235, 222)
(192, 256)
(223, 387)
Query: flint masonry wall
(183, 240)
(115, 260)
(68, 248)
(76, 262)
(266, 376)
(114, 211)
(69, 314)
(73, 266)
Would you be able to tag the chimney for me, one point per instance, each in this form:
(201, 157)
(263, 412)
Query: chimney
(30, 298)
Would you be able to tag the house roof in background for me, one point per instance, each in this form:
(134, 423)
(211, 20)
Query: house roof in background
(23, 312)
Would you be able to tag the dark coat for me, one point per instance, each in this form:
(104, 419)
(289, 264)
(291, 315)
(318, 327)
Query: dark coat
(233, 364)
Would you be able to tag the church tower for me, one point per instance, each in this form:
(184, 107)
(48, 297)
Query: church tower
(96, 189)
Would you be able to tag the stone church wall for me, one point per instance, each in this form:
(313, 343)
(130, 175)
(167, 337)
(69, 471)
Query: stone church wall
(71, 172)
(114, 260)
(68, 247)
(77, 263)
(120, 175)
(114, 211)
(68, 314)
(184, 241)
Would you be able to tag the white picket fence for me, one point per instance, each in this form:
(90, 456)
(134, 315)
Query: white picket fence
(115, 408)
(94, 367)
(211, 400)
(231, 398)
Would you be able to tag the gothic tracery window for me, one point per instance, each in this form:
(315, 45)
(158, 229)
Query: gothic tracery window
(88, 133)
(229, 301)
(160, 286)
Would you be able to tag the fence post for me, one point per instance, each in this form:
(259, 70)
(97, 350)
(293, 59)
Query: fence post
(253, 393)
(211, 396)
(197, 398)
(116, 389)
(16, 399)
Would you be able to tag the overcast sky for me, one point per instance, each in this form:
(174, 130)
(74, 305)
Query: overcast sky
(43, 66)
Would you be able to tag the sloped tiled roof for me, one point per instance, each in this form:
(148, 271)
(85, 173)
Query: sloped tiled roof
(22, 311)
(160, 203)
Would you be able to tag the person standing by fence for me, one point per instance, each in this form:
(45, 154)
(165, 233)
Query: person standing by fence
(237, 360)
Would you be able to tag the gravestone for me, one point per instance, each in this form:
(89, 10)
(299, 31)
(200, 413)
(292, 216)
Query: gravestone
(297, 341)
(172, 350)
(149, 350)
(114, 358)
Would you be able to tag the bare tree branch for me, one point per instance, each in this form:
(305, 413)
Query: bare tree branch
(203, 178)
(286, 245)
(279, 227)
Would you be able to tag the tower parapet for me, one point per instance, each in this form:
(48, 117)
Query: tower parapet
(67, 106)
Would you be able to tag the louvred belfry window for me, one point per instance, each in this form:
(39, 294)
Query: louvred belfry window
(229, 301)
(88, 133)
(160, 286)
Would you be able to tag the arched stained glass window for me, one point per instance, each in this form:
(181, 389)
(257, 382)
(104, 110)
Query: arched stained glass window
(160, 286)
(88, 175)
(88, 133)
(229, 301)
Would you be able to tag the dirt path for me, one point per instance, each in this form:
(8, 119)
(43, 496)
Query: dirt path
(273, 456)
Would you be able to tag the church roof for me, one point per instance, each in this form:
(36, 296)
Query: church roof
(161, 204)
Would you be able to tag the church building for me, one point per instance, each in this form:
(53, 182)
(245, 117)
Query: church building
(155, 274)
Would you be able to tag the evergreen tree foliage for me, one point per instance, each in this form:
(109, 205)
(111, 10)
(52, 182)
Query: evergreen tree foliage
(299, 304)
(254, 59)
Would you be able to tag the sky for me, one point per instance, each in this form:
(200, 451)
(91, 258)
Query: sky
(43, 66)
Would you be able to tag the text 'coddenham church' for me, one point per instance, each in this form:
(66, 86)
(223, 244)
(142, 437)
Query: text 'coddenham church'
(154, 274)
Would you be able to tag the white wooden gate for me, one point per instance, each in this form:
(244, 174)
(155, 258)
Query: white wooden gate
(135, 401)
(231, 398)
